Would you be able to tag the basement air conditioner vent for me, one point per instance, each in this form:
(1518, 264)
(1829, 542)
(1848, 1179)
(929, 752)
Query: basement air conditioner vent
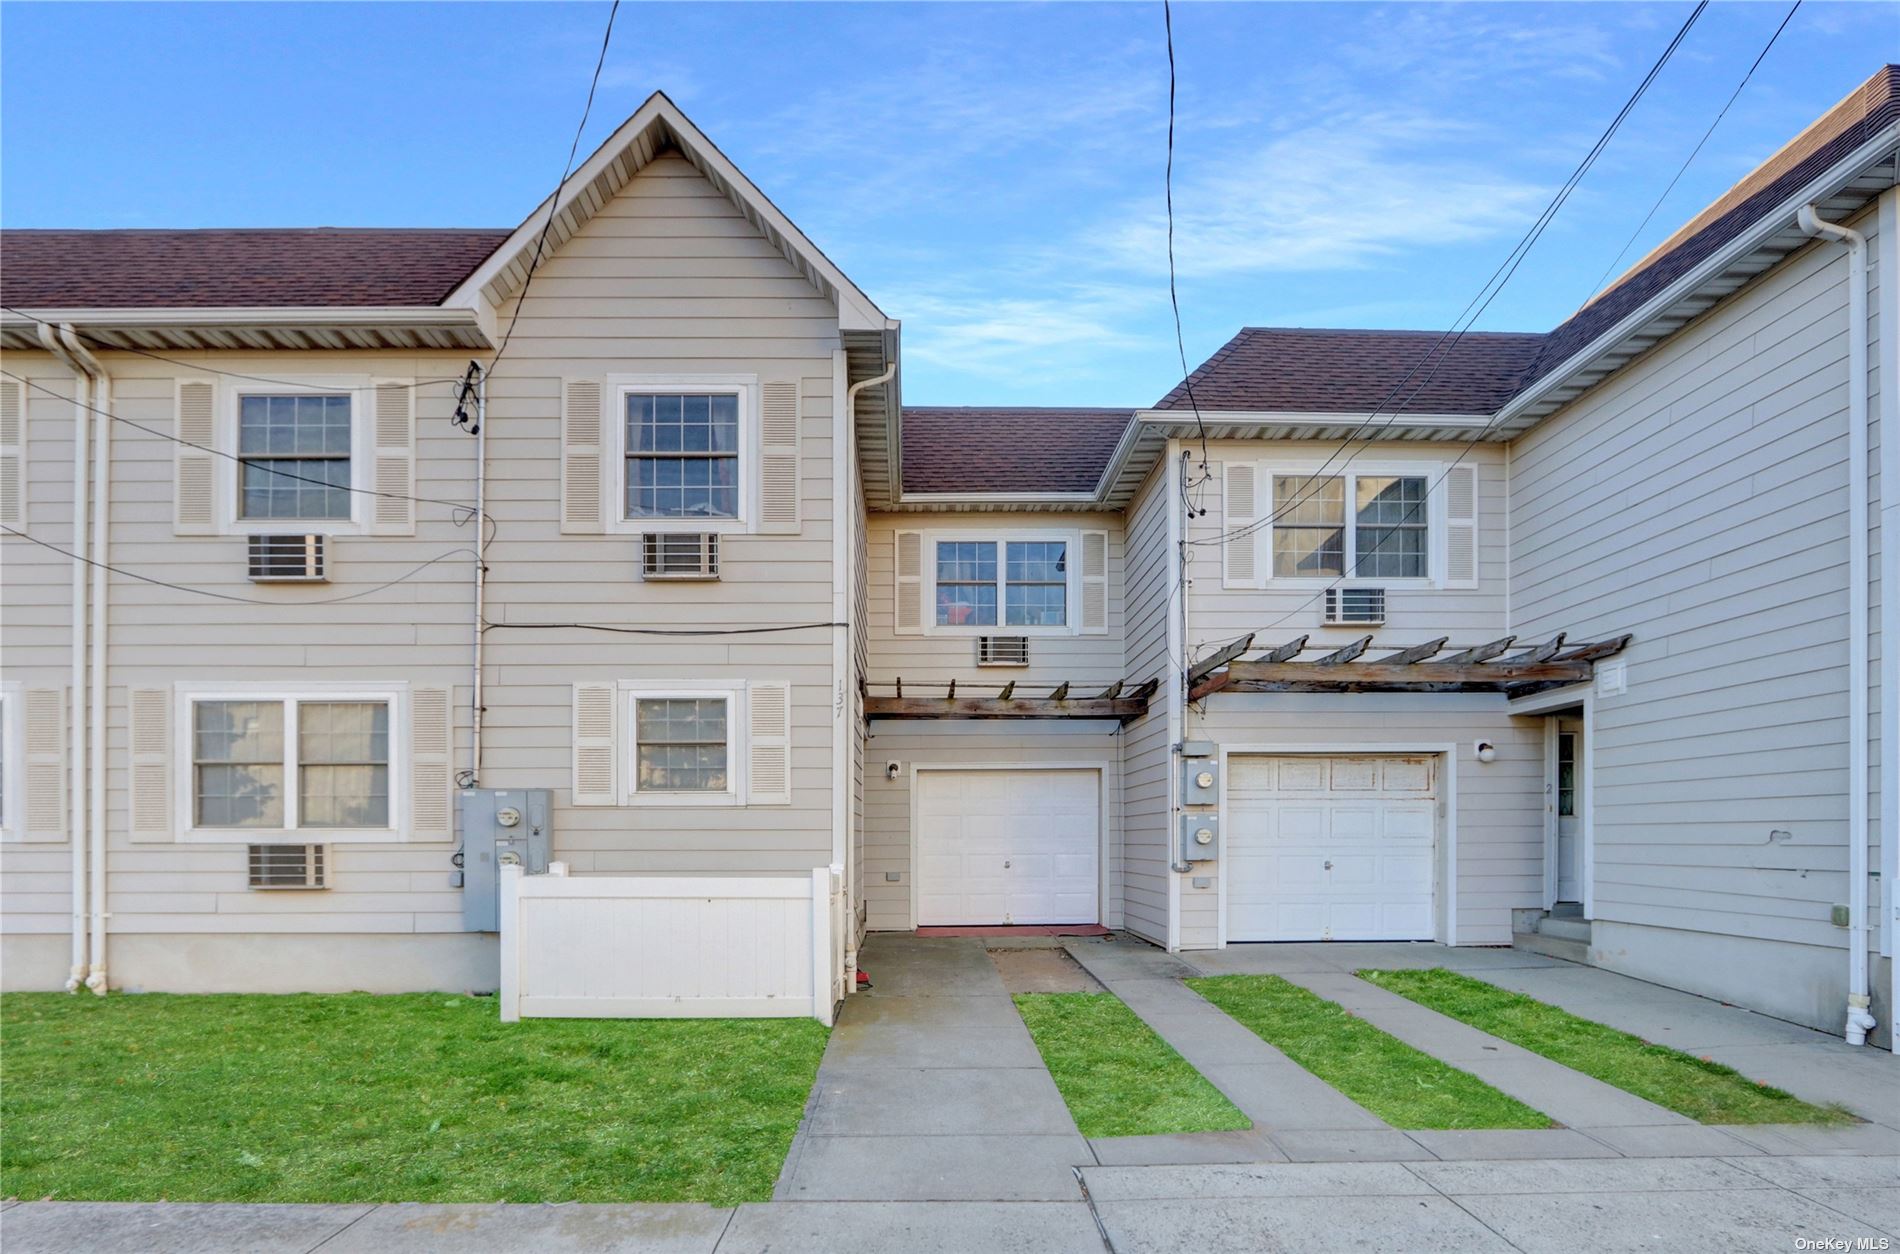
(1002, 650)
(679, 555)
(287, 866)
(287, 559)
(1355, 605)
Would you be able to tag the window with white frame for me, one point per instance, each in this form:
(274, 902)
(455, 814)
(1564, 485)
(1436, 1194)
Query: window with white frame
(684, 743)
(293, 456)
(682, 454)
(1001, 582)
(10, 746)
(293, 763)
(1363, 526)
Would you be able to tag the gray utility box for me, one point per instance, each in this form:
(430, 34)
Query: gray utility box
(1200, 781)
(499, 827)
(1200, 837)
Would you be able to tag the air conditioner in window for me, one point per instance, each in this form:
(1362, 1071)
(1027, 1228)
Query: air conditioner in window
(288, 866)
(1354, 605)
(679, 555)
(1002, 650)
(287, 559)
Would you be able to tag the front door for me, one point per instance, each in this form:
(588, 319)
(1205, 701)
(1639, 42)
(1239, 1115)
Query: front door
(1568, 787)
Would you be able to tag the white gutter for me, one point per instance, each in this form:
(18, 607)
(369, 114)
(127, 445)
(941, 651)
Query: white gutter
(843, 602)
(76, 750)
(1859, 1019)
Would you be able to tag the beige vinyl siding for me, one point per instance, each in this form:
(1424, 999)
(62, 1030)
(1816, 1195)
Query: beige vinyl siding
(1146, 756)
(666, 279)
(1698, 500)
(1499, 804)
(887, 807)
(1284, 608)
(1088, 660)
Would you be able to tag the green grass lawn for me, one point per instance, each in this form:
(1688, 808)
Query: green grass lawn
(360, 1098)
(1703, 1090)
(1118, 1077)
(1399, 1084)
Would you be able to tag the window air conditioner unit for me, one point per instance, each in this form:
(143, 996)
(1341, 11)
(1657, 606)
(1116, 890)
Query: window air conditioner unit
(1002, 650)
(287, 559)
(1355, 605)
(288, 866)
(679, 555)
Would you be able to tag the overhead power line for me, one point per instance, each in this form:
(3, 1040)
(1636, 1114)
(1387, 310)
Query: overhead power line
(1174, 296)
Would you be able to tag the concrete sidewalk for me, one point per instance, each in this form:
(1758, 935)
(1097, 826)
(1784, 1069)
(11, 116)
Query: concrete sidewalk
(1611, 1205)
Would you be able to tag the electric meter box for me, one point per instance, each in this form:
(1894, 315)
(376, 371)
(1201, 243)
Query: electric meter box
(499, 827)
(1200, 837)
(1200, 781)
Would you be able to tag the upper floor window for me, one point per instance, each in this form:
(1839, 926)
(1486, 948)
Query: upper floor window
(1015, 583)
(294, 457)
(682, 454)
(1384, 533)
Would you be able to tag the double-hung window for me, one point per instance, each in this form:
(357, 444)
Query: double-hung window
(683, 744)
(682, 452)
(293, 456)
(290, 764)
(1361, 526)
(984, 582)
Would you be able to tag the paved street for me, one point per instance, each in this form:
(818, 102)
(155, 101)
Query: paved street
(934, 1127)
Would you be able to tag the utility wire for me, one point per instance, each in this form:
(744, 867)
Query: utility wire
(243, 461)
(657, 631)
(226, 596)
(1174, 297)
(554, 201)
(1696, 151)
(1474, 309)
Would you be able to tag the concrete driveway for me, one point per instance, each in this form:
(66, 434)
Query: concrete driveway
(933, 1127)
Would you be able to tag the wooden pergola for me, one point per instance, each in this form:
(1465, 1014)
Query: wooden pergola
(1415, 668)
(1121, 701)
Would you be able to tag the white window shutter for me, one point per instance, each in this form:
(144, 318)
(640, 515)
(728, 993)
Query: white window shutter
(194, 465)
(393, 461)
(596, 744)
(581, 458)
(778, 458)
(1461, 527)
(150, 776)
(1240, 509)
(907, 618)
(12, 453)
(45, 761)
(1095, 582)
(769, 744)
(429, 740)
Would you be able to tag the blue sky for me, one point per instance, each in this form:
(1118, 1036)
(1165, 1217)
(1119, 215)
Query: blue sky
(990, 174)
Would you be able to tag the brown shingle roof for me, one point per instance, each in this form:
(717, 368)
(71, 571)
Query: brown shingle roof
(1306, 370)
(974, 449)
(205, 269)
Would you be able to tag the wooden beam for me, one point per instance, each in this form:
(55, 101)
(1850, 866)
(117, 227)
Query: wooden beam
(900, 685)
(1145, 689)
(1122, 709)
(1111, 692)
(1484, 652)
(1286, 652)
(1591, 652)
(1339, 657)
(1009, 690)
(952, 694)
(1384, 676)
(1417, 653)
(1061, 693)
(1212, 684)
(1219, 658)
(1540, 653)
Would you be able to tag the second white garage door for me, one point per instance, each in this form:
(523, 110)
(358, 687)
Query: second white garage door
(1334, 848)
(1008, 846)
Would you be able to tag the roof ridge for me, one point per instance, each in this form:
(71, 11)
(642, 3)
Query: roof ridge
(256, 230)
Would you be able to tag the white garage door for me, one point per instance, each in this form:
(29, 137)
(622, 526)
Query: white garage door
(1007, 847)
(1330, 848)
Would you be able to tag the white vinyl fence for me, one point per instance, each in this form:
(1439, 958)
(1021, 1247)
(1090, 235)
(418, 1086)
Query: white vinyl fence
(671, 946)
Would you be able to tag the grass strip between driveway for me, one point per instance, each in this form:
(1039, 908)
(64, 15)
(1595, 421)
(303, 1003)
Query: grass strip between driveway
(415, 1098)
(1697, 1087)
(1401, 1085)
(1117, 1075)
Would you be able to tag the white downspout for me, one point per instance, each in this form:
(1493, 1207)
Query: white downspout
(481, 574)
(1888, 424)
(76, 748)
(99, 685)
(1860, 1019)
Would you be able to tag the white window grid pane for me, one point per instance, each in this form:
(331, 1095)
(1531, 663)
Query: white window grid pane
(682, 455)
(295, 456)
(1309, 501)
(238, 763)
(1391, 552)
(1301, 551)
(343, 764)
(682, 744)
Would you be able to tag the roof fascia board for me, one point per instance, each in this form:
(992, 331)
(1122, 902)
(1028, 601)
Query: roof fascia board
(1828, 183)
(856, 311)
(263, 316)
(993, 498)
(1302, 418)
